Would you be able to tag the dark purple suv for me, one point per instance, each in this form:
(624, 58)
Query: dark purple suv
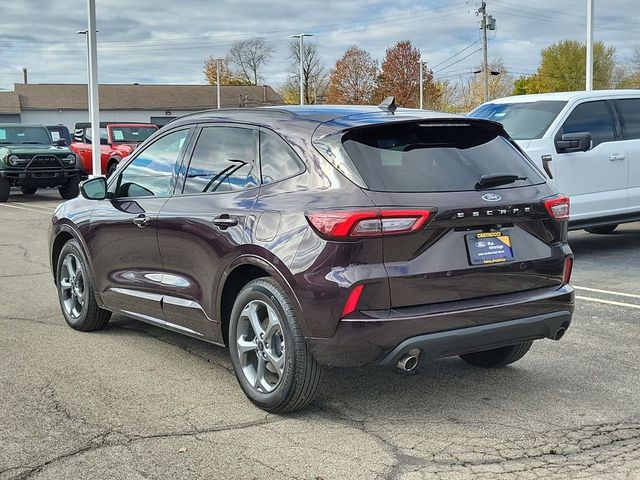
(308, 236)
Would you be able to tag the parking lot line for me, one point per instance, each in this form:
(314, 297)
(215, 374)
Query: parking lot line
(37, 207)
(33, 210)
(608, 302)
(608, 292)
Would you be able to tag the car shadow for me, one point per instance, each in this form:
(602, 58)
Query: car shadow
(448, 388)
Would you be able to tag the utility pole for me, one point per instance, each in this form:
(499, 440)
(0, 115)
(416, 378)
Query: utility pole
(487, 22)
(589, 75)
(301, 47)
(485, 67)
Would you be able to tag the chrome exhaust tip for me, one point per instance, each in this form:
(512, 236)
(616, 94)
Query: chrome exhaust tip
(409, 361)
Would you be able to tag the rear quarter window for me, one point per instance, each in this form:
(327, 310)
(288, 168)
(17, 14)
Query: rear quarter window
(629, 112)
(423, 157)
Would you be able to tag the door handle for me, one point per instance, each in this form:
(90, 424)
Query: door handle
(224, 221)
(141, 220)
(615, 157)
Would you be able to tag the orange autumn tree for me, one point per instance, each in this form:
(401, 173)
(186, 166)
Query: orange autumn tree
(353, 79)
(400, 75)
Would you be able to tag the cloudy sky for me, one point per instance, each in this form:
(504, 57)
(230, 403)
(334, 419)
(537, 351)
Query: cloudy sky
(162, 41)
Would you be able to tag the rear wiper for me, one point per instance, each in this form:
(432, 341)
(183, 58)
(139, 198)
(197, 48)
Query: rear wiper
(497, 179)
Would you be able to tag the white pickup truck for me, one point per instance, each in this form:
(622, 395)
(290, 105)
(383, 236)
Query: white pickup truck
(588, 143)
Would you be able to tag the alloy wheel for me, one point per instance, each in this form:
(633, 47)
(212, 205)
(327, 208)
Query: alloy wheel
(260, 345)
(72, 286)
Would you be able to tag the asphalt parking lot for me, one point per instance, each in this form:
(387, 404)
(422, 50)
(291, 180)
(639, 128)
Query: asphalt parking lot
(137, 402)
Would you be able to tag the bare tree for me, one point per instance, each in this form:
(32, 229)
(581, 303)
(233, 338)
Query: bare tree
(249, 56)
(314, 75)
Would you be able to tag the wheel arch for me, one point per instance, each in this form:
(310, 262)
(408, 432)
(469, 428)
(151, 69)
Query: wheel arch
(241, 271)
(65, 233)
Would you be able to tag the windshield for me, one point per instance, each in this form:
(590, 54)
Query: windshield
(24, 135)
(522, 121)
(131, 134)
(424, 157)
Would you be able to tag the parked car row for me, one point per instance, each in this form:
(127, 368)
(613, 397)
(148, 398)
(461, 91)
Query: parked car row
(35, 156)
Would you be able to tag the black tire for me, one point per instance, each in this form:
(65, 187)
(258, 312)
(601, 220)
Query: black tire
(604, 230)
(113, 166)
(70, 189)
(5, 189)
(297, 385)
(91, 317)
(498, 357)
(29, 191)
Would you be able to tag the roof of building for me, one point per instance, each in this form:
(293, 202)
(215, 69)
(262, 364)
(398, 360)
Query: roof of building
(9, 103)
(56, 96)
(566, 96)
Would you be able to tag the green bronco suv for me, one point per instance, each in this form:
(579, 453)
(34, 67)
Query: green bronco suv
(30, 159)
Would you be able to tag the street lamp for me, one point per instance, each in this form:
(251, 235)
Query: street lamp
(301, 37)
(218, 60)
(94, 108)
(422, 64)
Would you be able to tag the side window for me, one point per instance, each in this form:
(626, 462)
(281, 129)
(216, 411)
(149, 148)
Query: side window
(593, 118)
(151, 173)
(629, 111)
(88, 135)
(223, 160)
(277, 160)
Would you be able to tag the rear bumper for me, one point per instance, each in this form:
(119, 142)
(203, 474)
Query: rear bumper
(450, 328)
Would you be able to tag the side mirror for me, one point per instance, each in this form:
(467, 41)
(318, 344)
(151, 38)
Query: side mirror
(61, 142)
(94, 188)
(104, 141)
(574, 142)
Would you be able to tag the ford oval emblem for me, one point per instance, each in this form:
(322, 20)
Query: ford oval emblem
(491, 197)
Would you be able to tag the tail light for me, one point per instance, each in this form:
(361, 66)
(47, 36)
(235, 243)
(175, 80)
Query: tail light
(558, 207)
(566, 272)
(352, 300)
(345, 224)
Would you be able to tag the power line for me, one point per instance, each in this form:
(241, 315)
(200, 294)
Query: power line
(456, 54)
(458, 61)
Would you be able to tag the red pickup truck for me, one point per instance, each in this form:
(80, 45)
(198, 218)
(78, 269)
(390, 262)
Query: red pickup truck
(117, 141)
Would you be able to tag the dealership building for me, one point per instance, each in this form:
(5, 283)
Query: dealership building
(66, 104)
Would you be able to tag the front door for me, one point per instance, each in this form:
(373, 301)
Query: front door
(596, 180)
(201, 227)
(123, 241)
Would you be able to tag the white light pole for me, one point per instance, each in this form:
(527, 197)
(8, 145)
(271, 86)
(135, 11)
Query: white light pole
(301, 37)
(422, 64)
(94, 103)
(589, 75)
(218, 60)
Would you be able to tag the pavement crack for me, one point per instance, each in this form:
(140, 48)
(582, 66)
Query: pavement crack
(401, 460)
(113, 438)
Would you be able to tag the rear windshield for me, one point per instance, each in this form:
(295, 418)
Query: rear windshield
(522, 121)
(426, 157)
(131, 134)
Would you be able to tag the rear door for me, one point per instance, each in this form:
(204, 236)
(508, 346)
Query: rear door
(202, 225)
(436, 166)
(629, 114)
(596, 180)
